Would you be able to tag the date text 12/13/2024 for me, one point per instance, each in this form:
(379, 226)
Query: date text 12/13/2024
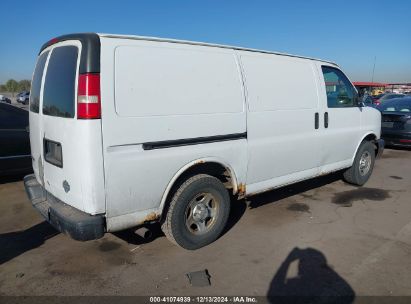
(203, 299)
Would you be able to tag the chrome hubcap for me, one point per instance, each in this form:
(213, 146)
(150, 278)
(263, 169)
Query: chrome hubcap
(201, 213)
(365, 163)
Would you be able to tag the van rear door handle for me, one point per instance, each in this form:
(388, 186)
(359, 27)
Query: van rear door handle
(317, 120)
(326, 120)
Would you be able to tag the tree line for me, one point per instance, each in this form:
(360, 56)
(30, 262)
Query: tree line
(14, 86)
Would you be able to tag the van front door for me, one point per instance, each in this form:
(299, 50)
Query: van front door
(341, 119)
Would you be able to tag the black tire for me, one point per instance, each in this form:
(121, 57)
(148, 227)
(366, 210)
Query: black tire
(354, 175)
(176, 223)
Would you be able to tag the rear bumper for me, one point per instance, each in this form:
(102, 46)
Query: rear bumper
(397, 139)
(77, 224)
(380, 146)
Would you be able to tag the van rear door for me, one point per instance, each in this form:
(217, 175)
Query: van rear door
(34, 117)
(66, 150)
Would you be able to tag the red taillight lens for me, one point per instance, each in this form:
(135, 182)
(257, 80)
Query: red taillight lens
(377, 102)
(88, 96)
(53, 41)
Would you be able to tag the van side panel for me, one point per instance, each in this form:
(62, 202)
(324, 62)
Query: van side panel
(156, 92)
(162, 81)
(282, 94)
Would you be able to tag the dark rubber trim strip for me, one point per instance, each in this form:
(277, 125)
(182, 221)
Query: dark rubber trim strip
(192, 141)
(90, 52)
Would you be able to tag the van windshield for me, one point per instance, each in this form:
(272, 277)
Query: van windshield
(59, 85)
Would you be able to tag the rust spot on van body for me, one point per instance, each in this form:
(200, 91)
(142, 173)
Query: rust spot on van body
(151, 217)
(241, 190)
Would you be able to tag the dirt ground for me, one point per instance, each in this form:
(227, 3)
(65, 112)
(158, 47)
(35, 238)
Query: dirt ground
(320, 236)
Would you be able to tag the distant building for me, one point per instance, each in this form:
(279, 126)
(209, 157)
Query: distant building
(373, 88)
(399, 87)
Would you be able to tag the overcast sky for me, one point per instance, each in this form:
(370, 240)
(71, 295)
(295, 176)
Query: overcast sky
(350, 33)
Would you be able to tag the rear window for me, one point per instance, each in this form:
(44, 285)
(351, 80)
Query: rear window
(36, 84)
(59, 86)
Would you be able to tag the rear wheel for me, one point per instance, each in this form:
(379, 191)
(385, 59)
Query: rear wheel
(360, 171)
(198, 212)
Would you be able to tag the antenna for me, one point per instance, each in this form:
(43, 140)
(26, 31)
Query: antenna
(373, 69)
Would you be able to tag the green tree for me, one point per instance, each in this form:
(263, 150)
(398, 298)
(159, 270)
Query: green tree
(24, 85)
(2, 88)
(12, 86)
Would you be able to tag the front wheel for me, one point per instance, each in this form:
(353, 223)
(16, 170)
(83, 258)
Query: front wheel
(360, 171)
(198, 212)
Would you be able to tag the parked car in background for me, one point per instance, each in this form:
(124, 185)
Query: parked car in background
(376, 97)
(24, 98)
(396, 121)
(387, 97)
(14, 140)
(5, 99)
(19, 94)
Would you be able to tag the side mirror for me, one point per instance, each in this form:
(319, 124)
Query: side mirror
(359, 101)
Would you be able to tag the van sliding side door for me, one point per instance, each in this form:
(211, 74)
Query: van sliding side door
(282, 122)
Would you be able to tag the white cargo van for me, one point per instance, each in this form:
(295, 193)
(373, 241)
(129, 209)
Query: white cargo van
(129, 130)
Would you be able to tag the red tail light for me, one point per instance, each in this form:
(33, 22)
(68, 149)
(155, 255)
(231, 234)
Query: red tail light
(377, 102)
(88, 96)
(53, 41)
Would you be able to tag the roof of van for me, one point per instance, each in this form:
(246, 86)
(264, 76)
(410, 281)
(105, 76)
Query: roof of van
(133, 37)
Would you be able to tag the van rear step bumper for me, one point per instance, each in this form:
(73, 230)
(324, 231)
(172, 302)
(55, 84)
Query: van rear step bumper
(77, 224)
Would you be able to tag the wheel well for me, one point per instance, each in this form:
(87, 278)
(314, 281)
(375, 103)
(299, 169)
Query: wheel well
(211, 168)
